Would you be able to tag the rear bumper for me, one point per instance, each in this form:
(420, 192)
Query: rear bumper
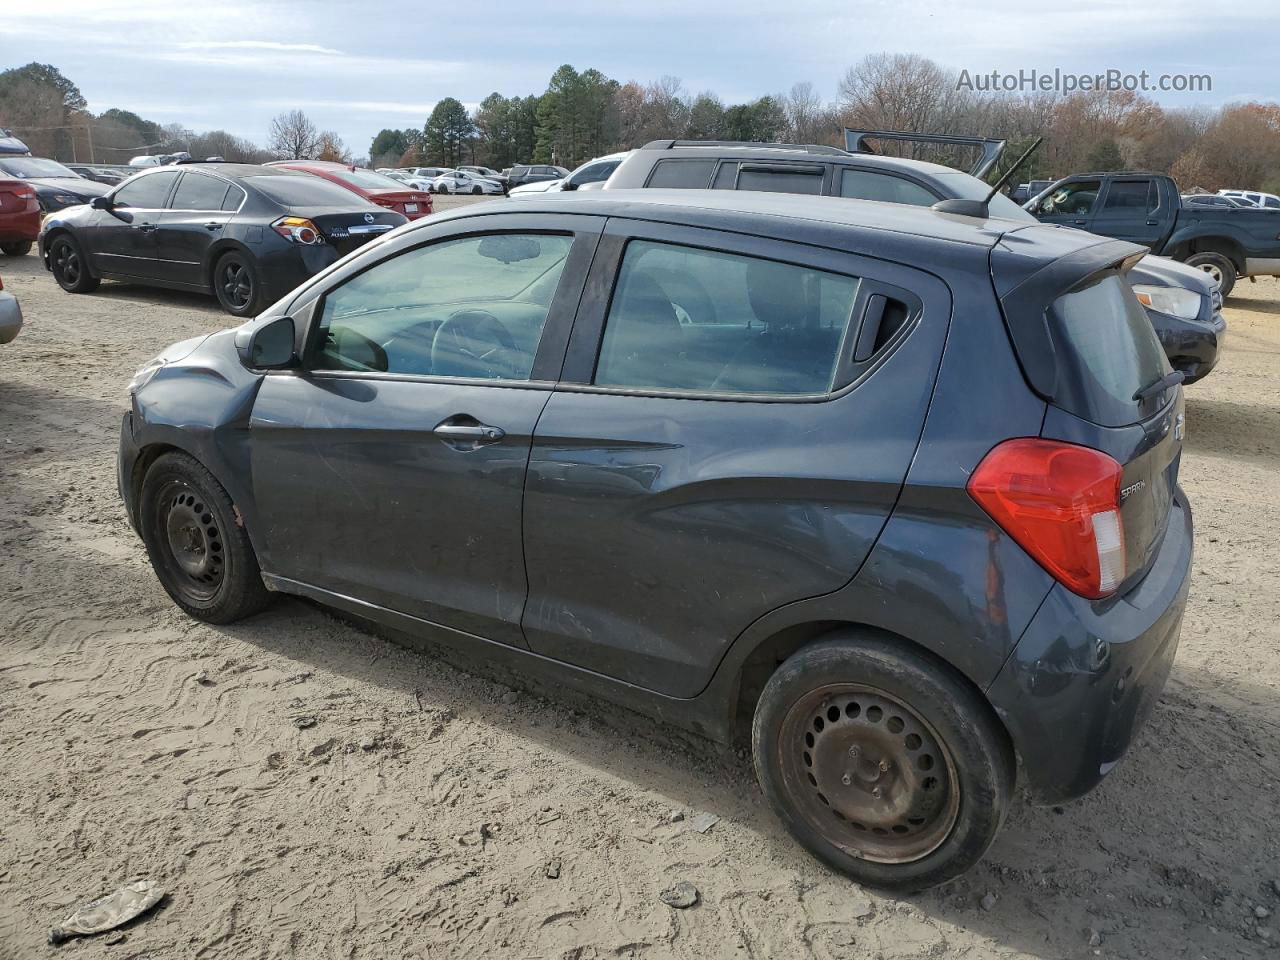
(10, 317)
(1086, 675)
(16, 227)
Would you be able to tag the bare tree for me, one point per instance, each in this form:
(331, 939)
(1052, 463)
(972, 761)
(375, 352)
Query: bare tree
(809, 120)
(293, 136)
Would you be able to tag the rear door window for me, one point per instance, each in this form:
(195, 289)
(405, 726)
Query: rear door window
(1111, 351)
(781, 178)
(1126, 197)
(199, 191)
(689, 319)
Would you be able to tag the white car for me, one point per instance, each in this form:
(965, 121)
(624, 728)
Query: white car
(591, 175)
(486, 172)
(459, 181)
(409, 180)
(1268, 201)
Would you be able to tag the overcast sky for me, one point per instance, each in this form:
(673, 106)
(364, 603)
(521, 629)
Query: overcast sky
(357, 67)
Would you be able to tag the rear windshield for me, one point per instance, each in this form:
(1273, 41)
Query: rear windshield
(368, 179)
(304, 190)
(1103, 328)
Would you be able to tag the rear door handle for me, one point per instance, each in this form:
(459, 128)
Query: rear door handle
(467, 431)
(1153, 223)
(213, 225)
(1080, 222)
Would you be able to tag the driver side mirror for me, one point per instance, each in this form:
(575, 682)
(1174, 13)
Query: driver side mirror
(270, 345)
(568, 185)
(101, 203)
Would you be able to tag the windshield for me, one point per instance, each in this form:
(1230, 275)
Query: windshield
(965, 187)
(25, 167)
(304, 190)
(367, 179)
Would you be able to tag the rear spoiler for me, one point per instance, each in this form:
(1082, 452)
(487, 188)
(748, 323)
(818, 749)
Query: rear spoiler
(1026, 290)
(855, 142)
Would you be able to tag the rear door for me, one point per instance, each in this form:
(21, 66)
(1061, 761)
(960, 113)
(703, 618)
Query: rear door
(729, 435)
(195, 220)
(1130, 209)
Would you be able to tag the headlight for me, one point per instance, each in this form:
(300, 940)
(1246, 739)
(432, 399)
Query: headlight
(1175, 301)
(144, 373)
(67, 198)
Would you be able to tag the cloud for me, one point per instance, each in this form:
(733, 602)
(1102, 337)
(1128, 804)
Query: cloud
(258, 45)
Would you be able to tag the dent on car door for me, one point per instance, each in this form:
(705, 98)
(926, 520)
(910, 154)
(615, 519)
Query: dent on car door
(391, 469)
(730, 438)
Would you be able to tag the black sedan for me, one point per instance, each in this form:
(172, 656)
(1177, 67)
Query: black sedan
(246, 234)
(56, 186)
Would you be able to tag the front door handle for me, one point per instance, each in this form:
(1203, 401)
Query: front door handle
(469, 431)
(213, 225)
(1080, 222)
(145, 227)
(1153, 223)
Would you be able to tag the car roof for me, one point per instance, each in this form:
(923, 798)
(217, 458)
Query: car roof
(783, 151)
(232, 171)
(824, 221)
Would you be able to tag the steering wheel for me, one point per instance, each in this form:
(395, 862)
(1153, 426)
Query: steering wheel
(473, 343)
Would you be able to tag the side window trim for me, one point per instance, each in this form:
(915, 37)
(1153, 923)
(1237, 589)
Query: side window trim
(553, 340)
(875, 277)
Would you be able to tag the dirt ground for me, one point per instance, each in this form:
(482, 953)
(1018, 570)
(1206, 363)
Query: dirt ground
(305, 789)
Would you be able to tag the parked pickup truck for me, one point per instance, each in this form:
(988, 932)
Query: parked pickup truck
(1147, 208)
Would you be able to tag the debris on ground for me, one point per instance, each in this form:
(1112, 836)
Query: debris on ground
(683, 895)
(107, 913)
(988, 901)
(304, 723)
(702, 822)
(553, 869)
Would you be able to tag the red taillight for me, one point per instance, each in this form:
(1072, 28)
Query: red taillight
(385, 203)
(298, 230)
(1061, 503)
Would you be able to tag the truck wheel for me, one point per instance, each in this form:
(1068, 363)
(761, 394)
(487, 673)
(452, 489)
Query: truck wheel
(1218, 267)
(18, 248)
(881, 762)
(202, 556)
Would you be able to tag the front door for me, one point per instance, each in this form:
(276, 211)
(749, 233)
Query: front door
(124, 239)
(392, 469)
(735, 420)
(1072, 205)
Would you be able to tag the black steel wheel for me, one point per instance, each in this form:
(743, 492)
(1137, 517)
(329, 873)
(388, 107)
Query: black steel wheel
(199, 550)
(69, 267)
(882, 761)
(235, 282)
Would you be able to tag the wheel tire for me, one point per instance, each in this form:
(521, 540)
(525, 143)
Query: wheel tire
(69, 268)
(1218, 267)
(476, 191)
(203, 558)
(236, 285)
(932, 721)
(18, 248)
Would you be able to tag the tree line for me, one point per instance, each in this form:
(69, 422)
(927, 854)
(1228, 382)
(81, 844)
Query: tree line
(584, 114)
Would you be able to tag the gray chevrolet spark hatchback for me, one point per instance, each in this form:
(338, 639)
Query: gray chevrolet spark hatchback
(891, 492)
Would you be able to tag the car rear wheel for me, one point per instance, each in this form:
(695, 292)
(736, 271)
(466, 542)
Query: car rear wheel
(235, 281)
(1219, 268)
(881, 762)
(202, 556)
(18, 248)
(69, 268)
(476, 191)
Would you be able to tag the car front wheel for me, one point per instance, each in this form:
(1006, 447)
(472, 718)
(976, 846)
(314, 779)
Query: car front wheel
(881, 762)
(200, 553)
(69, 268)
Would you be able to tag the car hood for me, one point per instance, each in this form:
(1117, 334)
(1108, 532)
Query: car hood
(77, 185)
(1164, 272)
(542, 186)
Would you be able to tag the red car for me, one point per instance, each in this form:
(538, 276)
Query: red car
(19, 217)
(369, 184)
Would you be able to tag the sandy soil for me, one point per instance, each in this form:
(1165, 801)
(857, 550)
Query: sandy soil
(305, 789)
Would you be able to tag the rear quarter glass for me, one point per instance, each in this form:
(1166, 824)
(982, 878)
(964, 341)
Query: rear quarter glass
(1107, 351)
